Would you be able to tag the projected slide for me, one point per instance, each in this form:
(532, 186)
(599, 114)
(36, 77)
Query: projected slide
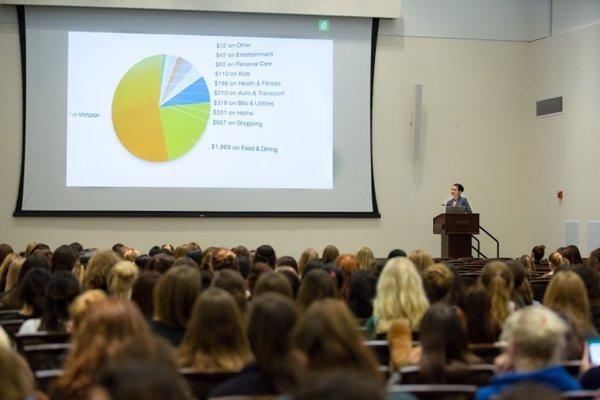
(185, 111)
(160, 108)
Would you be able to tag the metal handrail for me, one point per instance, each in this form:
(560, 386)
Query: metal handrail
(478, 248)
(494, 239)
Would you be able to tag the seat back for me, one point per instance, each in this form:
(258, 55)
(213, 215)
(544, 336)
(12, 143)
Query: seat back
(436, 392)
(46, 356)
(486, 351)
(476, 374)
(45, 378)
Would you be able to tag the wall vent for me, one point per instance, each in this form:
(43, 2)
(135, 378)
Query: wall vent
(549, 106)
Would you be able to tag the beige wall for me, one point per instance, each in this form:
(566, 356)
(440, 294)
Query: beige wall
(477, 98)
(566, 147)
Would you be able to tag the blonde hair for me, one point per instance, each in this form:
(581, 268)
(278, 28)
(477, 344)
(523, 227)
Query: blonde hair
(400, 294)
(81, 305)
(121, 279)
(497, 278)
(130, 254)
(14, 269)
(566, 293)
(420, 259)
(4, 266)
(557, 260)
(538, 335)
(365, 257)
(306, 256)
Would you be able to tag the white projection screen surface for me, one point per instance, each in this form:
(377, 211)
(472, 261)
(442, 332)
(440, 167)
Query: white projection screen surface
(145, 112)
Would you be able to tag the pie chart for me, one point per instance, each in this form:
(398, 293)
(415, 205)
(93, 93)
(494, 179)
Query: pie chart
(160, 108)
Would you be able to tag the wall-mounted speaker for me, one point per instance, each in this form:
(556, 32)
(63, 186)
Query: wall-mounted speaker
(416, 121)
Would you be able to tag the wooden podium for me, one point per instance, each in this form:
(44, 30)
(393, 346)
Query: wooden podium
(456, 231)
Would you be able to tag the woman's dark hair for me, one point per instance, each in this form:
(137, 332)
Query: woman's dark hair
(330, 254)
(174, 295)
(266, 254)
(396, 253)
(35, 261)
(62, 290)
(591, 279)
(272, 318)
(244, 266)
(195, 255)
(293, 279)
(477, 306)
(273, 282)
(312, 264)
(141, 261)
(160, 262)
(444, 341)
(456, 295)
(63, 259)
(142, 292)
(316, 285)
(523, 294)
(460, 187)
(574, 255)
(32, 290)
(77, 247)
(154, 250)
(232, 282)
(538, 253)
(361, 291)
(287, 261)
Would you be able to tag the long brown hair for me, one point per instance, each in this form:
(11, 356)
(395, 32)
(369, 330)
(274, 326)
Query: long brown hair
(326, 333)
(174, 295)
(215, 340)
(105, 333)
(497, 279)
(566, 294)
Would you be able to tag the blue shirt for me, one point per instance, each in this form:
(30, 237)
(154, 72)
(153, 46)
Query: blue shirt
(555, 377)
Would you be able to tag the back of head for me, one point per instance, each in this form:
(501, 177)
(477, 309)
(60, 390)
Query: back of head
(591, 279)
(365, 257)
(16, 379)
(174, 295)
(14, 266)
(34, 261)
(62, 289)
(272, 318)
(98, 267)
(82, 304)
(439, 349)
(160, 262)
(400, 294)
(266, 254)
(477, 307)
(420, 259)
(566, 293)
(361, 291)
(349, 264)
(316, 285)
(273, 282)
(63, 258)
(121, 279)
(306, 256)
(142, 291)
(233, 283)
(215, 339)
(497, 279)
(287, 261)
(326, 334)
(396, 253)
(330, 254)
(538, 336)
(574, 255)
(223, 258)
(557, 260)
(538, 253)
(5, 250)
(437, 281)
(32, 290)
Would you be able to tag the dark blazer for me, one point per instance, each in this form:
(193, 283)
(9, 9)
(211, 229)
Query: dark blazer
(463, 202)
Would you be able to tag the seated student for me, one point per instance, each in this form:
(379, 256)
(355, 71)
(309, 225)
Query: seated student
(536, 343)
(31, 295)
(272, 318)
(16, 380)
(62, 290)
(215, 341)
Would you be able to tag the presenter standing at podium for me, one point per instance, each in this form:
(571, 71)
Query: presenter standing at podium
(458, 201)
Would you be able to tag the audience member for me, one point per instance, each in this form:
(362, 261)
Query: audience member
(233, 283)
(306, 256)
(142, 292)
(437, 281)
(361, 291)
(365, 257)
(316, 285)
(273, 282)
(98, 268)
(330, 254)
(121, 279)
(420, 259)
(497, 279)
